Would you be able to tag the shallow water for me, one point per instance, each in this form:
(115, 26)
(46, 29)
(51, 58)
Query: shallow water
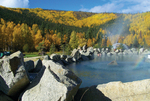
(97, 71)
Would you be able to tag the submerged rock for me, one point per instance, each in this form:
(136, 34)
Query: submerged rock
(113, 63)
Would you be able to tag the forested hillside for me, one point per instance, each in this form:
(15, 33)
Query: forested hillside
(37, 29)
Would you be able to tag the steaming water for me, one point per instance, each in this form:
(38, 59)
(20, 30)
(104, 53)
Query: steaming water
(94, 72)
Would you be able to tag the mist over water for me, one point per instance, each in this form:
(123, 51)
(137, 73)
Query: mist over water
(97, 71)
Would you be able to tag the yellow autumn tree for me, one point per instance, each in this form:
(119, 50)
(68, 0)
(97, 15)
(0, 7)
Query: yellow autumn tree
(109, 42)
(17, 38)
(81, 39)
(38, 38)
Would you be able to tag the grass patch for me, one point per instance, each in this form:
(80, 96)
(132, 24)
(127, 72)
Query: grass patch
(32, 54)
(35, 54)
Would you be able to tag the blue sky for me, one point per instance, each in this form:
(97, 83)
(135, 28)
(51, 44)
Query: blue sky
(98, 6)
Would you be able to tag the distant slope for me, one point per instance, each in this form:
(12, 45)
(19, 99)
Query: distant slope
(70, 18)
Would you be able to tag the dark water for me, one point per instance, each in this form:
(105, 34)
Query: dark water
(97, 71)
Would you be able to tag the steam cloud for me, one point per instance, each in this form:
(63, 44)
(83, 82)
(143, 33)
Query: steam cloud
(15, 3)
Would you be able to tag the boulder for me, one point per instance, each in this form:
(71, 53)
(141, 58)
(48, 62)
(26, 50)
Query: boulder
(84, 47)
(107, 50)
(76, 54)
(131, 91)
(113, 53)
(90, 94)
(13, 76)
(84, 58)
(55, 57)
(87, 53)
(117, 51)
(103, 49)
(141, 50)
(55, 83)
(109, 54)
(98, 50)
(120, 53)
(90, 49)
(96, 53)
(125, 53)
(113, 63)
(46, 57)
(63, 57)
(29, 65)
(116, 91)
(37, 66)
(69, 59)
(103, 53)
(133, 49)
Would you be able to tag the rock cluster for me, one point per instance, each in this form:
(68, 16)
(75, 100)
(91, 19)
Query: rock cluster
(46, 80)
(50, 80)
(132, 51)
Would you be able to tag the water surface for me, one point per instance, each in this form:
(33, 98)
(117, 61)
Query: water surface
(97, 71)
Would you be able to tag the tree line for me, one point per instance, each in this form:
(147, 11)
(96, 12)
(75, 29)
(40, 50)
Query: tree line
(49, 30)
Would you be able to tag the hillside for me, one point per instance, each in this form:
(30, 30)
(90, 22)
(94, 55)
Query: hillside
(47, 28)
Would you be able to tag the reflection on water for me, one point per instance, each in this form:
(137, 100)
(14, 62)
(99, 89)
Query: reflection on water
(97, 71)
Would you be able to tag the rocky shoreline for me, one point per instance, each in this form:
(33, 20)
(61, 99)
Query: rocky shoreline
(50, 80)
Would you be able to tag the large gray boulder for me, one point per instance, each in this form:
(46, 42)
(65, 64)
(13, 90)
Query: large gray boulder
(90, 49)
(76, 54)
(69, 59)
(131, 91)
(13, 76)
(56, 83)
(90, 94)
(46, 57)
(141, 50)
(84, 58)
(84, 48)
(117, 91)
(63, 57)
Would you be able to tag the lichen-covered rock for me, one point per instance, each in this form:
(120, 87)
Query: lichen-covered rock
(55, 83)
(13, 76)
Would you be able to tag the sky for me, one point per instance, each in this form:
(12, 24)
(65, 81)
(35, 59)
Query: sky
(95, 6)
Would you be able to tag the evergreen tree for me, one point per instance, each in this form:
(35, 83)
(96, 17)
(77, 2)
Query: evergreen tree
(52, 48)
(73, 40)
(68, 49)
(135, 42)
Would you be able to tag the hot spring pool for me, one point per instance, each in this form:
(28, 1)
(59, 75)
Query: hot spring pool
(97, 71)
